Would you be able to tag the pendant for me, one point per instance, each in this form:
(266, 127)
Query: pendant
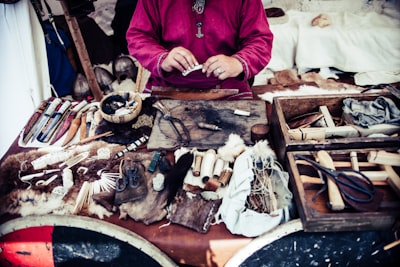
(198, 6)
(199, 34)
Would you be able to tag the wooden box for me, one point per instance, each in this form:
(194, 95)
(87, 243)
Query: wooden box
(316, 214)
(286, 108)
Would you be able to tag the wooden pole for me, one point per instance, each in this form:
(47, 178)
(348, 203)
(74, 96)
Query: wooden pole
(82, 52)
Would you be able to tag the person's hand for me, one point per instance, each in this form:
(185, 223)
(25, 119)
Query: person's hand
(179, 58)
(222, 66)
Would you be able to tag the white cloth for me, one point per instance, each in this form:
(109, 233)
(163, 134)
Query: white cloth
(377, 77)
(237, 218)
(24, 75)
(354, 42)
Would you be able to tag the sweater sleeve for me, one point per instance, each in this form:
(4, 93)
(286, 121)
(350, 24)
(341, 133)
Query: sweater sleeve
(255, 39)
(143, 37)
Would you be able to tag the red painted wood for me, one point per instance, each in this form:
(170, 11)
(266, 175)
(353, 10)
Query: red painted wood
(27, 247)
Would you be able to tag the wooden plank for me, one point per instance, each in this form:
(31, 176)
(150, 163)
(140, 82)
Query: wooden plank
(82, 52)
(192, 94)
(383, 157)
(219, 113)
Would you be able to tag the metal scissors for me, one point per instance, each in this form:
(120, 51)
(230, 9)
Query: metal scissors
(129, 177)
(184, 137)
(354, 185)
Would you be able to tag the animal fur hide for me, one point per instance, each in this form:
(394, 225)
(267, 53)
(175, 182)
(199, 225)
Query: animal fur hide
(290, 83)
(24, 198)
(191, 210)
(151, 208)
(304, 90)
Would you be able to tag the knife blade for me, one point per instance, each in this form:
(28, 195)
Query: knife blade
(31, 125)
(68, 120)
(53, 122)
(46, 116)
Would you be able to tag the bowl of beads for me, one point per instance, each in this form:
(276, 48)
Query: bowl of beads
(121, 107)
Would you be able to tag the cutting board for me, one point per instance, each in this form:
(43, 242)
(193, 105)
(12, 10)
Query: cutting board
(218, 112)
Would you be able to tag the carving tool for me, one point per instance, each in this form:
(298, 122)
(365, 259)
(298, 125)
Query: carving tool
(45, 135)
(75, 125)
(92, 138)
(72, 130)
(212, 127)
(132, 147)
(46, 116)
(83, 127)
(67, 121)
(32, 123)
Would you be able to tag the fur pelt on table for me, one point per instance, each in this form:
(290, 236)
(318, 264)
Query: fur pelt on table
(290, 83)
(21, 198)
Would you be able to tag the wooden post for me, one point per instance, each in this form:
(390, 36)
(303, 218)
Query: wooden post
(82, 52)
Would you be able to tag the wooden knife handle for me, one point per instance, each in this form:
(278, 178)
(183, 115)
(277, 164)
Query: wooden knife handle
(335, 198)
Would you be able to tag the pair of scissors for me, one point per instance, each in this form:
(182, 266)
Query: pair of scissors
(184, 137)
(128, 177)
(352, 184)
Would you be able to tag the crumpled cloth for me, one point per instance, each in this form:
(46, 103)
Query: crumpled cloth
(233, 212)
(367, 113)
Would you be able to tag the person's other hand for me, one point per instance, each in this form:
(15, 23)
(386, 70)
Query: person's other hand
(179, 58)
(222, 66)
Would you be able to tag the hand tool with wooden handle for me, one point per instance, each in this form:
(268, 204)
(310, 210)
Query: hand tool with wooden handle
(335, 198)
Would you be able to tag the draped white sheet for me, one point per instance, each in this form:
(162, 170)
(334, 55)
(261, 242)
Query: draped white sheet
(355, 42)
(24, 75)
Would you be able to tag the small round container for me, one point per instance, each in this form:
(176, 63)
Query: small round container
(121, 107)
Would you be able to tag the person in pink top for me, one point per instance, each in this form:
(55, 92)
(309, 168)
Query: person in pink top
(231, 39)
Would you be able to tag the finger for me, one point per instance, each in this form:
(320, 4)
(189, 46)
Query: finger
(209, 66)
(188, 57)
(218, 72)
(180, 62)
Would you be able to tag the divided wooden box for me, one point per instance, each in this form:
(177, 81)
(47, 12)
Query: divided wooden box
(316, 215)
(286, 108)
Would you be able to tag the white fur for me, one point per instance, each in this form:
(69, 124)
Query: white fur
(232, 148)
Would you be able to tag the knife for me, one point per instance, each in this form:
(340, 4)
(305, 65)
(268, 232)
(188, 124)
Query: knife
(67, 121)
(46, 116)
(46, 134)
(32, 123)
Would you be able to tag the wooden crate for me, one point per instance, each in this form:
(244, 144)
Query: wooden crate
(286, 108)
(318, 217)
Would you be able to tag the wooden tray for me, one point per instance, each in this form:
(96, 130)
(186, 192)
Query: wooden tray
(286, 108)
(317, 217)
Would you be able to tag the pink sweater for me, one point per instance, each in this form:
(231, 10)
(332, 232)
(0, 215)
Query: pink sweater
(236, 28)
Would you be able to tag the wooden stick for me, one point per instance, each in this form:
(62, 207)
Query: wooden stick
(321, 133)
(327, 116)
(384, 157)
(394, 179)
(335, 198)
(306, 179)
(391, 245)
(342, 164)
(354, 161)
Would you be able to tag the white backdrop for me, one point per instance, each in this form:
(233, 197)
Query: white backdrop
(24, 75)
